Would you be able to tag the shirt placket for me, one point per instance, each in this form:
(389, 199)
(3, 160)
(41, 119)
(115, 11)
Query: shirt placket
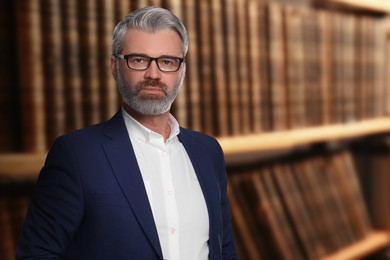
(171, 205)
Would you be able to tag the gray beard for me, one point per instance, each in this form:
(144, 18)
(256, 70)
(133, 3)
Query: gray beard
(149, 106)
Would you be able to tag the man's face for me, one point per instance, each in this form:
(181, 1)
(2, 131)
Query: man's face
(151, 91)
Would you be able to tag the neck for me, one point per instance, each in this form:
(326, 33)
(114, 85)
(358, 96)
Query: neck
(158, 123)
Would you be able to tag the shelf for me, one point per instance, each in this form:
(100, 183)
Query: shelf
(21, 165)
(379, 6)
(18, 165)
(372, 243)
(284, 140)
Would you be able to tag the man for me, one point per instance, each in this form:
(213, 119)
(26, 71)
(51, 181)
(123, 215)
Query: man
(137, 186)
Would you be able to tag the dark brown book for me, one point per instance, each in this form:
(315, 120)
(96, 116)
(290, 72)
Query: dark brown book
(122, 8)
(193, 62)
(89, 60)
(206, 69)
(380, 102)
(109, 96)
(72, 65)
(31, 80)
(337, 68)
(350, 195)
(348, 67)
(325, 61)
(331, 192)
(243, 63)
(231, 67)
(295, 65)
(244, 219)
(277, 67)
(9, 132)
(220, 75)
(297, 210)
(311, 64)
(7, 243)
(256, 62)
(317, 196)
(270, 207)
(53, 68)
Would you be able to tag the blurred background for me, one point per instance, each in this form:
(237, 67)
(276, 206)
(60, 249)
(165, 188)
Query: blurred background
(296, 91)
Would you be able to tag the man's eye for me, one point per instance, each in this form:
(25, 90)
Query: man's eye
(138, 60)
(167, 62)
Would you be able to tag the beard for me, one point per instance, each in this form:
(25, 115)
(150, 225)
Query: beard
(148, 105)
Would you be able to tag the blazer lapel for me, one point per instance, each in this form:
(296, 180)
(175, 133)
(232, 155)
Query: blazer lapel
(205, 172)
(120, 154)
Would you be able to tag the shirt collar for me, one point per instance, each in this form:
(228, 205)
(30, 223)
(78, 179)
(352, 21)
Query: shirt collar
(143, 133)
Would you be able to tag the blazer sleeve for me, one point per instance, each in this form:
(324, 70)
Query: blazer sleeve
(56, 207)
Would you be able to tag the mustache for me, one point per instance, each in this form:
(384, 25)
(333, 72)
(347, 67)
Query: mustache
(153, 83)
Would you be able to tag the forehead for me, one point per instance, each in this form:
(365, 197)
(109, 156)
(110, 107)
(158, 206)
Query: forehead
(163, 42)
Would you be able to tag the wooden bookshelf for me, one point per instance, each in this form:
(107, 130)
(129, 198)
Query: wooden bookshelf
(21, 165)
(370, 244)
(29, 164)
(381, 6)
(285, 140)
(253, 112)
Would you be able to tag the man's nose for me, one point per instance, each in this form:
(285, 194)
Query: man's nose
(153, 72)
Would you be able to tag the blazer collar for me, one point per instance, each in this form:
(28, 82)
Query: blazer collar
(201, 159)
(121, 156)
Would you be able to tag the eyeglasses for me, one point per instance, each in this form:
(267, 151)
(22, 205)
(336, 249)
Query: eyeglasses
(142, 62)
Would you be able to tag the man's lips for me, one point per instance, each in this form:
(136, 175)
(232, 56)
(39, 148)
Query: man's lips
(152, 90)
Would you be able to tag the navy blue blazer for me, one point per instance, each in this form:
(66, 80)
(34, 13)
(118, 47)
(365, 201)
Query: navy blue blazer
(90, 202)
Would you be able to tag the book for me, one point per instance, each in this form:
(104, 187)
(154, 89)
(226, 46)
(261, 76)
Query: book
(109, 96)
(277, 73)
(219, 81)
(53, 69)
(256, 56)
(30, 65)
(298, 211)
(231, 67)
(206, 70)
(9, 130)
(242, 62)
(311, 66)
(89, 60)
(72, 66)
(295, 68)
(193, 62)
(243, 219)
(287, 246)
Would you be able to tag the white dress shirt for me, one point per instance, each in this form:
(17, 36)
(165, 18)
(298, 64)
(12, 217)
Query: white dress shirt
(176, 199)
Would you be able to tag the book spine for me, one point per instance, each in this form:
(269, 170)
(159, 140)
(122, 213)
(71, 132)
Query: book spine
(53, 69)
(89, 44)
(109, 99)
(72, 65)
(31, 80)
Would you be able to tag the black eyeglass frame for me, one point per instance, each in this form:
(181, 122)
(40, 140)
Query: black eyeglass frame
(126, 56)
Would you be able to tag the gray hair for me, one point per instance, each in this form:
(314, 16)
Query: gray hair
(149, 19)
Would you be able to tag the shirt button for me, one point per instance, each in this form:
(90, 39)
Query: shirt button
(173, 231)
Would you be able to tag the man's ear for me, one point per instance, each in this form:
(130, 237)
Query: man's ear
(113, 66)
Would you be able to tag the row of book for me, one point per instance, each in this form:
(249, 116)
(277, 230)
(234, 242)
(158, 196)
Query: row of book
(302, 208)
(252, 66)
(14, 199)
(372, 157)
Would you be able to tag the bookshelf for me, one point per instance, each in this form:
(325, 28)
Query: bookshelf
(380, 6)
(28, 165)
(271, 79)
